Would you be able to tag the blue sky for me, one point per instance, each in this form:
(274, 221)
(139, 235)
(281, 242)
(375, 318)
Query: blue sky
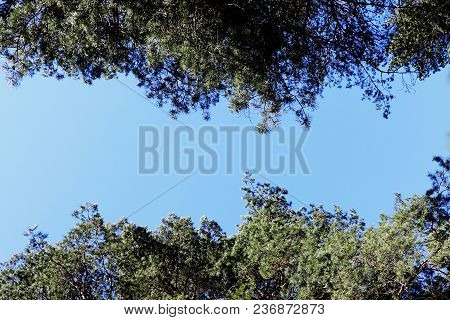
(64, 143)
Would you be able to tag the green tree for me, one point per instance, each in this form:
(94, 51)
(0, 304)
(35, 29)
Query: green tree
(277, 253)
(119, 261)
(274, 56)
(313, 253)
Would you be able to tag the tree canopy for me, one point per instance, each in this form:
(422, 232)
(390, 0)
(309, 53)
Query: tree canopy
(277, 253)
(274, 56)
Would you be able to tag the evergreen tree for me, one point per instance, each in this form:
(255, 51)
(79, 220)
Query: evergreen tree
(274, 56)
(277, 253)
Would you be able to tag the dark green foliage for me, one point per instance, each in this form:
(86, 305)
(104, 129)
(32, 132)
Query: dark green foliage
(422, 36)
(278, 253)
(110, 261)
(274, 56)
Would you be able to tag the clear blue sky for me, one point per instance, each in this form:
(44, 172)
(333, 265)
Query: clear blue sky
(64, 143)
